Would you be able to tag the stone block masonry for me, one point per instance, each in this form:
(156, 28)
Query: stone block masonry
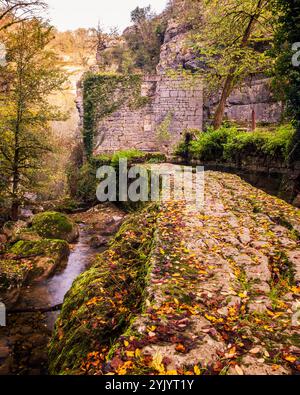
(169, 98)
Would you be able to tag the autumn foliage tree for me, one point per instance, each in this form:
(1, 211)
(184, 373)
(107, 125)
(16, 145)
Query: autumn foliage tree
(145, 38)
(24, 108)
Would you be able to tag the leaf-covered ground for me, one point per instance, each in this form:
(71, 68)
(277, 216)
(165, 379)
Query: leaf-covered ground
(222, 292)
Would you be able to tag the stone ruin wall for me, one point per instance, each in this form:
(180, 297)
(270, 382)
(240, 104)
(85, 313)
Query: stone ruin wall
(127, 128)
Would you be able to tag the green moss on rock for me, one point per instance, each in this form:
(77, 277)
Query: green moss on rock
(12, 274)
(38, 259)
(45, 247)
(53, 225)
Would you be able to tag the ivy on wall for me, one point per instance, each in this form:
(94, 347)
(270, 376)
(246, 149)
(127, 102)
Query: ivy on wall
(105, 93)
(163, 133)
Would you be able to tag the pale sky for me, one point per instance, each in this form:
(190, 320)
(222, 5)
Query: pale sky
(72, 14)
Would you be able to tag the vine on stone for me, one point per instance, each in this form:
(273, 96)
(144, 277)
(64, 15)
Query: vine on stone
(103, 94)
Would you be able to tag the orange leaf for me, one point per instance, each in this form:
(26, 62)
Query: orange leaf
(180, 348)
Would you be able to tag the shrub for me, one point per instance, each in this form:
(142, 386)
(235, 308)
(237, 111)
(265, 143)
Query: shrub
(210, 145)
(263, 143)
(130, 155)
(228, 143)
(87, 182)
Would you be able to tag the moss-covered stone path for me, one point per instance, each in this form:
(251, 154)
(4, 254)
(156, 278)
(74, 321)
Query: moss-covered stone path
(222, 292)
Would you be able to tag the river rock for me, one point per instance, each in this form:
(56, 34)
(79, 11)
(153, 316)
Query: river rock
(4, 351)
(111, 226)
(27, 262)
(25, 214)
(98, 241)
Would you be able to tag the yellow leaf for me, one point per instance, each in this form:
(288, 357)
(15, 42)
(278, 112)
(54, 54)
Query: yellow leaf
(232, 351)
(197, 371)
(210, 318)
(126, 343)
(130, 354)
(157, 363)
(171, 373)
(290, 358)
(123, 369)
(138, 353)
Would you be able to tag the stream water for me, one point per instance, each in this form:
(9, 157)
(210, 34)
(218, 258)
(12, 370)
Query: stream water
(52, 292)
(23, 342)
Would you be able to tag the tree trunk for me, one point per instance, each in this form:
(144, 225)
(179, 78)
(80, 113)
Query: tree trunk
(15, 189)
(253, 126)
(219, 114)
(16, 175)
(15, 210)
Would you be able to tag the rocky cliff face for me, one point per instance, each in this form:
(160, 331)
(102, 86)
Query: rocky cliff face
(175, 53)
(255, 94)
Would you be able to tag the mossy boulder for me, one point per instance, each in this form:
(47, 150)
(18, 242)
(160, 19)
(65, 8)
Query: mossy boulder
(46, 247)
(13, 275)
(27, 262)
(53, 225)
(44, 257)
